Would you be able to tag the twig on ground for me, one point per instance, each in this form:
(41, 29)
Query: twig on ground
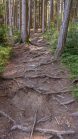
(44, 119)
(4, 114)
(35, 118)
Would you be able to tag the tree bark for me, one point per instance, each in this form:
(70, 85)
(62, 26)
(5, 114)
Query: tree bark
(29, 18)
(10, 20)
(64, 29)
(24, 29)
(19, 15)
(43, 19)
(34, 17)
(50, 13)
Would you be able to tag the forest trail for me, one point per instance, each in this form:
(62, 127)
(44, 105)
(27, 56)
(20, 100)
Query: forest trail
(34, 97)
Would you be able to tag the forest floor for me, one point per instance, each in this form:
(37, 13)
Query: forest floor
(35, 102)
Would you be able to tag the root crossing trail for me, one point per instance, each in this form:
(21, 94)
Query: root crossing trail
(35, 102)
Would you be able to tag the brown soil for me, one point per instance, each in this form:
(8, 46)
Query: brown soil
(21, 102)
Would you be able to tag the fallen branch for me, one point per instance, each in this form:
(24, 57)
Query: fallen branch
(75, 81)
(35, 118)
(4, 114)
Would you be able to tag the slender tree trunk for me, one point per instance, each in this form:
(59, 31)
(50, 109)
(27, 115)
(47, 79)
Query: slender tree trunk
(43, 18)
(10, 20)
(50, 13)
(64, 28)
(34, 17)
(58, 10)
(13, 14)
(39, 13)
(29, 18)
(24, 29)
(19, 15)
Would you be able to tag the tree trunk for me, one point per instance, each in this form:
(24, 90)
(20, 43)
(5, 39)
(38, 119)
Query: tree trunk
(50, 13)
(10, 20)
(13, 13)
(29, 18)
(64, 28)
(19, 15)
(43, 19)
(34, 17)
(24, 29)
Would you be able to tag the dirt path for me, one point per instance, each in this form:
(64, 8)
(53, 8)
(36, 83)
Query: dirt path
(35, 98)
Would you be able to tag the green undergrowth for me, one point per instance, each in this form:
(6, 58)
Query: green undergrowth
(70, 55)
(5, 53)
(17, 35)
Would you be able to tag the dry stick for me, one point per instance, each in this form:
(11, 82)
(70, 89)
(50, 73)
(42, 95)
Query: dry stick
(3, 113)
(44, 119)
(35, 118)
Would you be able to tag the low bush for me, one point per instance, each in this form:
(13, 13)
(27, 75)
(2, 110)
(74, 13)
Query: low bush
(5, 53)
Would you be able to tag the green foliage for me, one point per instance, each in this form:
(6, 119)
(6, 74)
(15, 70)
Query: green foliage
(70, 55)
(76, 92)
(4, 35)
(5, 53)
(17, 35)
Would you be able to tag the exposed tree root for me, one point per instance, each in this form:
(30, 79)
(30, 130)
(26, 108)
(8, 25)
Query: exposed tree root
(46, 63)
(61, 103)
(4, 114)
(38, 55)
(44, 119)
(75, 114)
(26, 129)
(45, 131)
(44, 76)
(68, 102)
(58, 92)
